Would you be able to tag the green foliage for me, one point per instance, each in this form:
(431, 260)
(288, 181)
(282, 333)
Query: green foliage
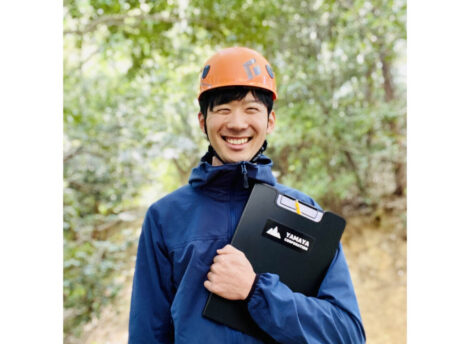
(131, 72)
(340, 112)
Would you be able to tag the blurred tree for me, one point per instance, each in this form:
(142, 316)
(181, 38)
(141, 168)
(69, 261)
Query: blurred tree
(125, 112)
(341, 115)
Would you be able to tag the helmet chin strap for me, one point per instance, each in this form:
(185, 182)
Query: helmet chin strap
(253, 159)
(261, 150)
(214, 153)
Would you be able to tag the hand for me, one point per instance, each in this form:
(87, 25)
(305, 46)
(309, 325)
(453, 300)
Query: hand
(231, 276)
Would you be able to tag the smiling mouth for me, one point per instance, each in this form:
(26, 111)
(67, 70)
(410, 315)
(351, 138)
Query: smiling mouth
(236, 140)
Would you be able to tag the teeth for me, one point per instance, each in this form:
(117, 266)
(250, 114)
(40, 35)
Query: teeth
(237, 141)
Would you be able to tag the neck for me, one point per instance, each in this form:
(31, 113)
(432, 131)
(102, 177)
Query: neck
(216, 161)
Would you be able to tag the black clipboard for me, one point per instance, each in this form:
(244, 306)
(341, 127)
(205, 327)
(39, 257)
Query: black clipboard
(280, 235)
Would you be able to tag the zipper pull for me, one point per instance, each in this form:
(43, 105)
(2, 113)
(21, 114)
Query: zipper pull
(245, 176)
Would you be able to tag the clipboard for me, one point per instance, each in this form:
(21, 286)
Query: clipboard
(280, 235)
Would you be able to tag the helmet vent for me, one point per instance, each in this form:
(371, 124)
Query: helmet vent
(270, 71)
(205, 71)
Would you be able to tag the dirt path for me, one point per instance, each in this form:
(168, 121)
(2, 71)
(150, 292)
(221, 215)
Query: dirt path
(376, 254)
(377, 259)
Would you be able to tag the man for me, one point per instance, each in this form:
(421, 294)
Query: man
(183, 251)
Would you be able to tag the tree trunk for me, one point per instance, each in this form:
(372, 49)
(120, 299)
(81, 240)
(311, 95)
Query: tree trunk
(399, 167)
(388, 82)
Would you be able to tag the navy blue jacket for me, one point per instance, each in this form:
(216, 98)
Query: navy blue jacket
(179, 239)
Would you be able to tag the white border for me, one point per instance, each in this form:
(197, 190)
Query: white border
(438, 172)
(31, 172)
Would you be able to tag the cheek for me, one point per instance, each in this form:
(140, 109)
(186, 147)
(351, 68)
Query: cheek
(213, 124)
(261, 125)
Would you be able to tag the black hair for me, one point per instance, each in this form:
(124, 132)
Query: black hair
(224, 95)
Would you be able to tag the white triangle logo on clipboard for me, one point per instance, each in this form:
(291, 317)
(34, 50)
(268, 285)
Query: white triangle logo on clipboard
(274, 232)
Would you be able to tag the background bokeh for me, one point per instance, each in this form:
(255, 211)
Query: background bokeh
(131, 71)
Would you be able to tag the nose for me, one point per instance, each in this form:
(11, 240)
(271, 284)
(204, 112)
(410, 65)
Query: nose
(237, 120)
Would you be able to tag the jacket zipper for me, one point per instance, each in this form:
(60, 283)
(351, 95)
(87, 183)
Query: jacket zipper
(245, 176)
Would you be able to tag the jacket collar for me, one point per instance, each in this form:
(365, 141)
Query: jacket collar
(220, 180)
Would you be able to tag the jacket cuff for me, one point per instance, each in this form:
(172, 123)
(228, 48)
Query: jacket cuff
(253, 287)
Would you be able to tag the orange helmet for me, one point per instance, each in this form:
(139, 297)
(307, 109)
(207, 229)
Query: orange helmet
(237, 66)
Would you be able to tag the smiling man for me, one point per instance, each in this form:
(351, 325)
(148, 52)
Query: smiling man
(237, 129)
(184, 250)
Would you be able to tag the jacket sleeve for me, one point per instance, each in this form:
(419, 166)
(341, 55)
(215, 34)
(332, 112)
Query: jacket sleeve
(149, 319)
(331, 317)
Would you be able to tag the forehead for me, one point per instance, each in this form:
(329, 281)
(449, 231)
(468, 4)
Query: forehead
(250, 98)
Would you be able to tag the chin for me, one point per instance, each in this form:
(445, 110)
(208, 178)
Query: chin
(238, 158)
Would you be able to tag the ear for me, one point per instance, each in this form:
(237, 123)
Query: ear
(271, 122)
(200, 117)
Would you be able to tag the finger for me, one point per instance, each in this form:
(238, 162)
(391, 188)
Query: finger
(216, 259)
(210, 276)
(219, 258)
(227, 249)
(217, 268)
(208, 285)
(212, 287)
(234, 250)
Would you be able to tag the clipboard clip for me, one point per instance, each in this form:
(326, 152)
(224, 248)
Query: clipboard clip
(299, 208)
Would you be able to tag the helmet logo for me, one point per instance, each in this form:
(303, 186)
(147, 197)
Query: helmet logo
(248, 72)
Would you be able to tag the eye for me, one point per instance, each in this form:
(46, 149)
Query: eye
(223, 111)
(253, 109)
